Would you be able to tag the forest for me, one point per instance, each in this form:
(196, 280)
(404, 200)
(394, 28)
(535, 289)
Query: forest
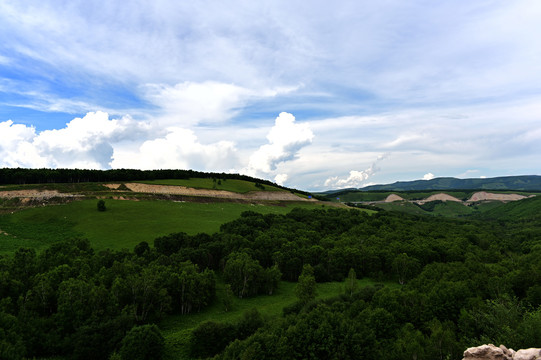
(460, 283)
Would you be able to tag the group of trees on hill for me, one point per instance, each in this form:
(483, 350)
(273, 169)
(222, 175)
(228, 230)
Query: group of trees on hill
(70, 300)
(459, 283)
(20, 176)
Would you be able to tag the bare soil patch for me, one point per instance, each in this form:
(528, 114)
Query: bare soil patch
(393, 197)
(220, 194)
(441, 197)
(112, 186)
(34, 194)
(486, 196)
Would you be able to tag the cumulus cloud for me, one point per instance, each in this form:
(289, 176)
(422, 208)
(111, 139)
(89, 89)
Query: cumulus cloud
(280, 179)
(355, 177)
(16, 147)
(83, 143)
(428, 176)
(180, 148)
(285, 138)
(97, 142)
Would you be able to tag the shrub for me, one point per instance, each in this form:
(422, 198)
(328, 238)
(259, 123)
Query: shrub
(101, 205)
(142, 343)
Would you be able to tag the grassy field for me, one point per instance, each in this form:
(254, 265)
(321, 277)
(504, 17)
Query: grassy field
(234, 185)
(177, 329)
(123, 225)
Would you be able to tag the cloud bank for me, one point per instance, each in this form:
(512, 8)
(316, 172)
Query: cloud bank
(97, 142)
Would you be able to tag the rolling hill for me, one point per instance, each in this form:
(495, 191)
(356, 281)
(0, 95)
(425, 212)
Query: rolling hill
(524, 183)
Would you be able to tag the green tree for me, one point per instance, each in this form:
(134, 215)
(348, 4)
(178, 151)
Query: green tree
(306, 286)
(142, 343)
(11, 342)
(227, 298)
(210, 338)
(101, 205)
(351, 285)
(406, 267)
(243, 273)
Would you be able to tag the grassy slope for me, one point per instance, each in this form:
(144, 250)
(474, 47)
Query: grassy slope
(123, 225)
(177, 329)
(517, 210)
(234, 185)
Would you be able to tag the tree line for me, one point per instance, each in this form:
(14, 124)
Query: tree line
(20, 176)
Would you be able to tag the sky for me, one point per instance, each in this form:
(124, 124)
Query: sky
(314, 95)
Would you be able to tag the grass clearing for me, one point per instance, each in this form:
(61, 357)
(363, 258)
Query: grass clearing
(176, 329)
(233, 185)
(123, 225)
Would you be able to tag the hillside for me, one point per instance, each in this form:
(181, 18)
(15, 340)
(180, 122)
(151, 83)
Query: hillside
(527, 209)
(524, 183)
(37, 215)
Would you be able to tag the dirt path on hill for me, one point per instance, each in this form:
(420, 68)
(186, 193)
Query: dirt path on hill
(33, 194)
(221, 194)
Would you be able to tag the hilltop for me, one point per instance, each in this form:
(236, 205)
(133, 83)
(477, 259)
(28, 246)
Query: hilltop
(524, 183)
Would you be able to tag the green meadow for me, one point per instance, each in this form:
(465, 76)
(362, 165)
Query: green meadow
(233, 185)
(176, 329)
(123, 225)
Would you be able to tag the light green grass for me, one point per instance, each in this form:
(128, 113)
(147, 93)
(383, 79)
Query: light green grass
(234, 185)
(123, 225)
(176, 329)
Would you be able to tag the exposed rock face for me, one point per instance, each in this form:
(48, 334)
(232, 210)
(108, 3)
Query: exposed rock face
(528, 354)
(491, 352)
(488, 352)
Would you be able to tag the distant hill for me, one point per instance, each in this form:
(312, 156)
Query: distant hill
(527, 209)
(519, 183)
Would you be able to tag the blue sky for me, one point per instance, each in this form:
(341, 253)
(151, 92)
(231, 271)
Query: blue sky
(315, 95)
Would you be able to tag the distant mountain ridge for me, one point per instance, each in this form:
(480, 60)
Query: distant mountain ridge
(522, 183)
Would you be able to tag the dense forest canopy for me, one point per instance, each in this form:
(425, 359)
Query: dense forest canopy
(461, 283)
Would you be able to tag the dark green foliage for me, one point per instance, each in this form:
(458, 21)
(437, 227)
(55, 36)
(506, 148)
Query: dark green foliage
(210, 337)
(11, 342)
(143, 343)
(247, 278)
(463, 283)
(101, 205)
(306, 286)
(142, 248)
(351, 285)
(70, 301)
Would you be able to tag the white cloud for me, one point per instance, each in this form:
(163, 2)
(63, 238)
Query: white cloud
(355, 178)
(16, 147)
(280, 179)
(179, 149)
(285, 138)
(86, 142)
(190, 103)
(428, 176)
